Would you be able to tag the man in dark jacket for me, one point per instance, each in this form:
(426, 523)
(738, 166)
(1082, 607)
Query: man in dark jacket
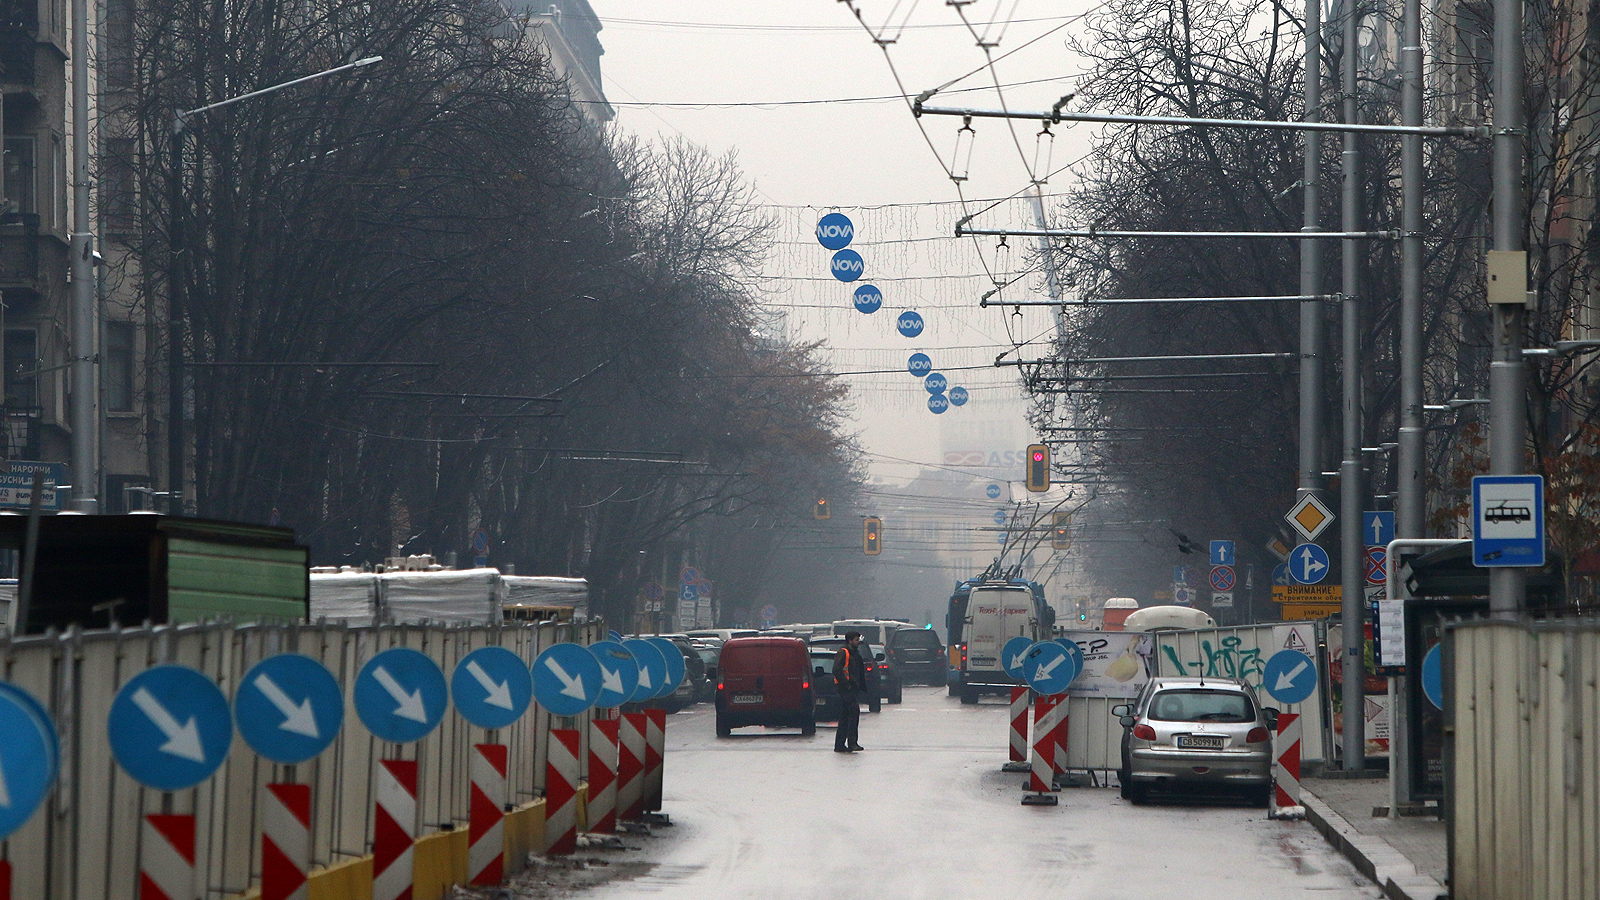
(850, 674)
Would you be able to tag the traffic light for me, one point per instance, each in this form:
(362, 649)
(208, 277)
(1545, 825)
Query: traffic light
(1060, 538)
(1038, 467)
(872, 536)
(821, 510)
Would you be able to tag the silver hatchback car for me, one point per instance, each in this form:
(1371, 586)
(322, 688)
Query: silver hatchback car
(1196, 733)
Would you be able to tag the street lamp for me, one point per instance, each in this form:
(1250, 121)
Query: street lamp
(175, 285)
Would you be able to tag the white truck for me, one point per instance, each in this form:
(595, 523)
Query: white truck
(983, 616)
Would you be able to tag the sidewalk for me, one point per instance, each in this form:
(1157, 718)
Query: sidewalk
(1407, 856)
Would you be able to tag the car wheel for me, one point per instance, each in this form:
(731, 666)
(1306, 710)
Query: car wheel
(809, 726)
(723, 728)
(898, 695)
(1137, 794)
(952, 689)
(875, 705)
(1262, 796)
(969, 695)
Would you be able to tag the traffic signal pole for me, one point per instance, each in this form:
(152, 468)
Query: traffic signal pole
(1351, 543)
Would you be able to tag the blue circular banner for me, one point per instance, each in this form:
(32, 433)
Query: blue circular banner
(919, 364)
(909, 323)
(288, 708)
(400, 695)
(835, 231)
(566, 679)
(170, 727)
(32, 759)
(935, 383)
(652, 668)
(868, 298)
(938, 403)
(491, 687)
(676, 666)
(847, 265)
(958, 396)
(1014, 654)
(619, 673)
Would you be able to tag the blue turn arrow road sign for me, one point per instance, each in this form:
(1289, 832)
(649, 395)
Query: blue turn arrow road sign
(566, 679)
(170, 727)
(491, 688)
(1049, 667)
(1014, 654)
(400, 695)
(288, 708)
(30, 755)
(1308, 564)
(1290, 676)
(675, 667)
(652, 668)
(619, 673)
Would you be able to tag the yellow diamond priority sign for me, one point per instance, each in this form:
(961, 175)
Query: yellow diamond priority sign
(1309, 517)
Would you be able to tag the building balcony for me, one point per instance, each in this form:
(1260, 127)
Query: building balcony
(21, 433)
(29, 261)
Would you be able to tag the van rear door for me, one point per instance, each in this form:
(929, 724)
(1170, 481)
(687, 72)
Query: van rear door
(997, 615)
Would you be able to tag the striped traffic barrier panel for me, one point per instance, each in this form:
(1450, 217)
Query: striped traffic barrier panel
(1018, 761)
(286, 842)
(561, 792)
(630, 766)
(1286, 767)
(655, 756)
(486, 828)
(1058, 739)
(1040, 789)
(603, 776)
(166, 858)
(394, 829)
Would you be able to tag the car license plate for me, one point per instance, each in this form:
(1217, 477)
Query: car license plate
(822, 701)
(748, 698)
(1200, 741)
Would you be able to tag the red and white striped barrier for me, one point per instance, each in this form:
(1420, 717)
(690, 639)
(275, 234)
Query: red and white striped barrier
(561, 792)
(1041, 779)
(603, 776)
(1286, 764)
(630, 766)
(286, 842)
(1018, 760)
(1058, 737)
(394, 829)
(166, 858)
(486, 823)
(655, 757)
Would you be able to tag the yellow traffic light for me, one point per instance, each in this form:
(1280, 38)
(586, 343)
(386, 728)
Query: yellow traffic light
(1038, 467)
(1060, 536)
(821, 510)
(872, 536)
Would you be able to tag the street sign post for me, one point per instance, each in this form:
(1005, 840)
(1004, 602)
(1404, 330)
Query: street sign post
(1507, 520)
(1308, 564)
(619, 673)
(288, 708)
(491, 688)
(1290, 676)
(675, 667)
(170, 727)
(1309, 517)
(652, 668)
(1014, 654)
(400, 695)
(566, 679)
(31, 759)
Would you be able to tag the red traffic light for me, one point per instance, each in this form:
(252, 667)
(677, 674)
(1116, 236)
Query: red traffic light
(1038, 456)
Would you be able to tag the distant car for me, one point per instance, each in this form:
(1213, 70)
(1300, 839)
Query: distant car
(1193, 733)
(825, 693)
(765, 681)
(883, 680)
(918, 656)
(722, 634)
(709, 652)
(694, 687)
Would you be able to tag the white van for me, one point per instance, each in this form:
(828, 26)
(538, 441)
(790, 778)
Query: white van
(1168, 618)
(996, 613)
(873, 631)
(722, 634)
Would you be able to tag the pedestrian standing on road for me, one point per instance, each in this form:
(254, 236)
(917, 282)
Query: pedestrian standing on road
(850, 675)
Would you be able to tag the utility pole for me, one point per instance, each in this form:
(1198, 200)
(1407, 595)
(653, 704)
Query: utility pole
(85, 309)
(1351, 576)
(1311, 312)
(1508, 397)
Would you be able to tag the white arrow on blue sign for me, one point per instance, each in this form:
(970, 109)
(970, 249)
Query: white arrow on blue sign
(30, 755)
(566, 679)
(491, 688)
(170, 727)
(1377, 527)
(672, 657)
(958, 396)
(1048, 667)
(847, 266)
(835, 231)
(619, 673)
(1290, 676)
(1308, 564)
(288, 708)
(652, 668)
(909, 323)
(1075, 654)
(1222, 553)
(400, 695)
(1014, 654)
(868, 299)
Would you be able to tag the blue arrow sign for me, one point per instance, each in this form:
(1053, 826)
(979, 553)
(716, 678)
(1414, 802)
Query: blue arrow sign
(491, 688)
(847, 266)
(566, 679)
(1013, 654)
(1308, 564)
(1290, 676)
(30, 756)
(992, 492)
(288, 708)
(1222, 553)
(919, 364)
(1074, 655)
(1433, 676)
(619, 673)
(1377, 527)
(909, 323)
(935, 383)
(835, 231)
(1280, 574)
(1507, 520)
(170, 727)
(1048, 667)
(652, 668)
(400, 695)
(938, 403)
(867, 299)
(673, 657)
(958, 396)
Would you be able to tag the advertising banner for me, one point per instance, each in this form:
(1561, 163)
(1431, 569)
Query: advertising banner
(1115, 663)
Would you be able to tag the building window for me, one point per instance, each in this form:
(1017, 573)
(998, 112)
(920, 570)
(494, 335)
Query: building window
(21, 186)
(119, 44)
(22, 367)
(116, 367)
(118, 194)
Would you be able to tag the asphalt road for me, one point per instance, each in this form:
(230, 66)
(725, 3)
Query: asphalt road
(926, 813)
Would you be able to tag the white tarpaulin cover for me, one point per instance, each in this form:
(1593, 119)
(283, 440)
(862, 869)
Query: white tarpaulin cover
(350, 597)
(536, 590)
(465, 595)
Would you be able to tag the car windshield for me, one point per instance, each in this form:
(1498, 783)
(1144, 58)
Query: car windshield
(1201, 706)
(914, 638)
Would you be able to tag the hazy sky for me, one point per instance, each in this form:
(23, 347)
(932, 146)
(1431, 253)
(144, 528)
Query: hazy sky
(668, 66)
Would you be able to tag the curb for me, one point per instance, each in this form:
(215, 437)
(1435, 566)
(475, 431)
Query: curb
(1373, 856)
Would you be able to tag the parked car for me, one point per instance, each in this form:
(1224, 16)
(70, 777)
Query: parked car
(709, 652)
(883, 679)
(918, 656)
(694, 687)
(825, 694)
(765, 681)
(1190, 733)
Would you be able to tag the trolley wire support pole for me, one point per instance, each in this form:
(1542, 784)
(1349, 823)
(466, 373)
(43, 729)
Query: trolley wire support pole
(1040, 789)
(1313, 323)
(1018, 761)
(1310, 125)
